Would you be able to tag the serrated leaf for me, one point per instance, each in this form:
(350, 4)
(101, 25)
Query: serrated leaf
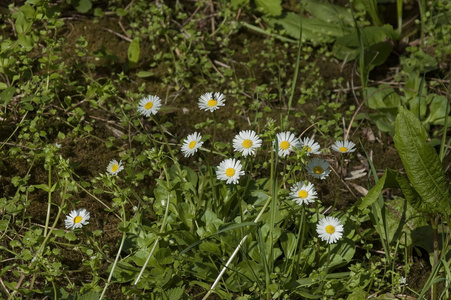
(422, 164)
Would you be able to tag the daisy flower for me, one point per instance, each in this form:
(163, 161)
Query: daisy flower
(209, 102)
(191, 144)
(287, 141)
(343, 146)
(303, 193)
(229, 170)
(310, 146)
(318, 168)
(77, 219)
(247, 142)
(149, 105)
(114, 167)
(329, 229)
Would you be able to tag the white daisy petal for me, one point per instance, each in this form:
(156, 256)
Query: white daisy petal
(211, 102)
(149, 106)
(343, 146)
(287, 141)
(329, 229)
(318, 168)
(229, 170)
(310, 146)
(247, 142)
(77, 219)
(303, 193)
(191, 144)
(114, 167)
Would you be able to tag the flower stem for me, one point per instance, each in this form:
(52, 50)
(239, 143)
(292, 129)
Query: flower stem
(49, 204)
(235, 252)
(117, 257)
(163, 226)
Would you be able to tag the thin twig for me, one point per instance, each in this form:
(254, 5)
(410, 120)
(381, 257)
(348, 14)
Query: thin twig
(118, 34)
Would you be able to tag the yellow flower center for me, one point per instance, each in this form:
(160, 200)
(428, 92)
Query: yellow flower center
(230, 172)
(330, 229)
(308, 149)
(148, 105)
(114, 168)
(318, 170)
(284, 145)
(212, 102)
(303, 194)
(343, 149)
(192, 144)
(77, 219)
(247, 144)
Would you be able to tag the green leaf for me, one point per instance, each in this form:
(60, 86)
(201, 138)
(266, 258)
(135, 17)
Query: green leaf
(3, 225)
(270, 7)
(376, 49)
(133, 51)
(7, 95)
(314, 29)
(82, 6)
(330, 13)
(383, 97)
(402, 219)
(422, 164)
(357, 295)
(387, 180)
(144, 74)
(90, 296)
(437, 110)
(175, 293)
(237, 3)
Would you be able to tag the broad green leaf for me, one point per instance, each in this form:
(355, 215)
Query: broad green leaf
(237, 3)
(411, 195)
(357, 295)
(175, 293)
(401, 220)
(330, 13)
(315, 29)
(437, 109)
(90, 296)
(133, 51)
(387, 180)
(418, 106)
(82, 6)
(422, 164)
(348, 46)
(383, 97)
(3, 225)
(7, 95)
(270, 7)
(377, 54)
